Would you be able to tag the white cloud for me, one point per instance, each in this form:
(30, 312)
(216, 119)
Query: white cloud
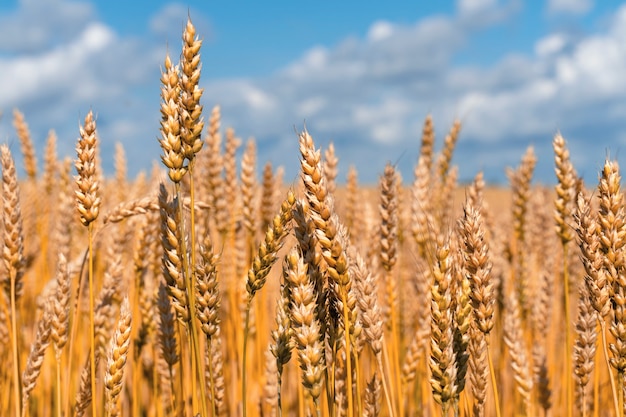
(78, 64)
(379, 31)
(570, 6)
(369, 95)
(550, 45)
(37, 25)
(376, 91)
(473, 7)
(58, 69)
(483, 13)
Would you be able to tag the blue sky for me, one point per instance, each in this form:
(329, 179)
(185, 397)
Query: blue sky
(362, 74)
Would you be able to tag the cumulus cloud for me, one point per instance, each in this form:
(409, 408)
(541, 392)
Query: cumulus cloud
(40, 24)
(76, 64)
(368, 94)
(473, 7)
(371, 94)
(483, 13)
(570, 6)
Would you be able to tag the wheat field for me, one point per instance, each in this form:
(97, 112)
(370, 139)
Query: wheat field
(205, 289)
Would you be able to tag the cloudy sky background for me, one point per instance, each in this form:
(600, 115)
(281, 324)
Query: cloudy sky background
(364, 76)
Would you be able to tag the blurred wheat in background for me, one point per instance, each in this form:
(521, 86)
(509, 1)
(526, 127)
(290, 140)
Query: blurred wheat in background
(209, 291)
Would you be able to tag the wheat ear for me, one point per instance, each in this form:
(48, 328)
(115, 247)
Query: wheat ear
(442, 358)
(13, 257)
(26, 144)
(118, 352)
(36, 357)
(264, 260)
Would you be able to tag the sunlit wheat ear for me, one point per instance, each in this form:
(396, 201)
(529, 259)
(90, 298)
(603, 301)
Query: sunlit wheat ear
(172, 255)
(565, 189)
(61, 307)
(520, 187)
(270, 390)
(266, 256)
(214, 159)
(268, 202)
(168, 341)
(421, 215)
(513, 338)
(118, 352)
(367, 300)
(330, 168)
(612, 241)
(442, 358)
(463, 321)
(51, 165)
(427, 143)
(207, 292)
(120, 173)
(13, 259)
(611, 218)
(171, 143)
(282, 342)
(226, 196)
(249, 189)
(87, 197)
(13, 253)
(372, 397)
(63, 231)
(389, 219)
(26, 144)
(478, 373)
(449, 145)
(84, 395)
(588, 232)
(36, 356)
(478, 266)
(191, 122)
(306, 329)
(329, 233)
(267, 253)
(584, 350)
(351, 205)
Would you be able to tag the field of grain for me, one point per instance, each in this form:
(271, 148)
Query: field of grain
(207, 289)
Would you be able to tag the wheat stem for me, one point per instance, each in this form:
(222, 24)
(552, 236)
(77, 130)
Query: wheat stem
(568, 333)
(14, 345)
(608, 365)
(92, 326)
(494, 384)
